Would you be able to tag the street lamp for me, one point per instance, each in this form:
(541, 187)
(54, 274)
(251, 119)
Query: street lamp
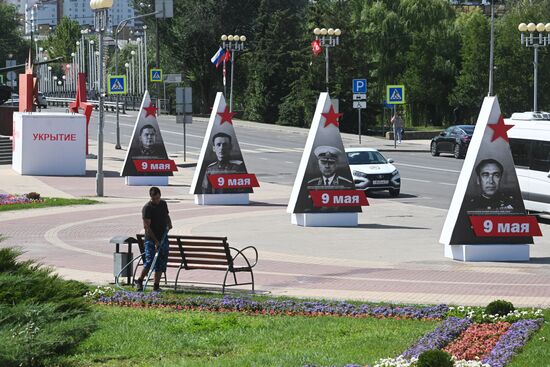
(232, 43)
(327, 38)
(100, 9)
(540, 39)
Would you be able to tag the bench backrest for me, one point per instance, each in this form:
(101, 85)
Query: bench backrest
(196, 252)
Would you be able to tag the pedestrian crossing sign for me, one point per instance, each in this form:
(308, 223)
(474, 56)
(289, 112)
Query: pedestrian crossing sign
(155, 75)
(117, 84)
(395, 94)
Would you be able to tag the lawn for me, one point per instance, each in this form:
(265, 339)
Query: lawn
(46, 202)
(164, 337)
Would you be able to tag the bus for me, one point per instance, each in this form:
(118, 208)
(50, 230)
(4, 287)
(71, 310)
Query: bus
(530, 145)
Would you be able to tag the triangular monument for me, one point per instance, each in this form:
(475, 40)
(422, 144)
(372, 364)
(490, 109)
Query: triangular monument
(487, 220)
(221, 176)
(146, 161)
(324, 193)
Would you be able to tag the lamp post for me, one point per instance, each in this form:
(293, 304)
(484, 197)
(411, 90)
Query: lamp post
(100, 9)
(48, 81)
(232, 44)
(535, 40)
(327, 38)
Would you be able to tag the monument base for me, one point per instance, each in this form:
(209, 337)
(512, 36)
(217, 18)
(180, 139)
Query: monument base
(147, 180)
(222, 199)
(487, 252)
(325, 219)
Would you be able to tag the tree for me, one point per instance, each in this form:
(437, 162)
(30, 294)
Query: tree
(61, 43)
(11, 40)
(277, 31)
(474, 30)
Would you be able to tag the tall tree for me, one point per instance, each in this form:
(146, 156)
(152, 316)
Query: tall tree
(466, 97)
(11, 40)
(277, 31)
(62, 41)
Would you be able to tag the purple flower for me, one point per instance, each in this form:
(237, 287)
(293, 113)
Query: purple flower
(439, 338)
(512, 341)
(284, 306)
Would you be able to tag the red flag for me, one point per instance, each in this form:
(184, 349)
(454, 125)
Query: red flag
(316, 47)
(227, 56)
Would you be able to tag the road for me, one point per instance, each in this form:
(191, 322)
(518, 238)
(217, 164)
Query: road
(273, 153)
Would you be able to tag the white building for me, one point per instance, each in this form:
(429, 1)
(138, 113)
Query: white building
(80, 11)
(42, 13)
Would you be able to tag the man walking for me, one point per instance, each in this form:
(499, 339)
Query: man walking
(398, 127)
(157, 223)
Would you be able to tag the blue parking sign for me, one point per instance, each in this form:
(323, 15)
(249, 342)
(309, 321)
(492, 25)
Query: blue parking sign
(359, 86)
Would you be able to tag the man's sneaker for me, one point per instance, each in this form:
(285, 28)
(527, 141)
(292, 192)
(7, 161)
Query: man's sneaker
(156, 288)
(139, 285)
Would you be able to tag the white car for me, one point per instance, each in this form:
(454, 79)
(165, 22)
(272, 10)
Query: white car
(372, 172)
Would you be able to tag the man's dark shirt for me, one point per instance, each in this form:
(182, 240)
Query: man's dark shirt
(158, 214)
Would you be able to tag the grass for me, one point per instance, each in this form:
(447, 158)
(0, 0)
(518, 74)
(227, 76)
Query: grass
(537, 350)
(48, 202)
(162, 337)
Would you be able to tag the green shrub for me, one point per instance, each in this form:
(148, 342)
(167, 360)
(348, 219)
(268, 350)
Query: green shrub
(41, 315)
(435, 358)
(499, 307)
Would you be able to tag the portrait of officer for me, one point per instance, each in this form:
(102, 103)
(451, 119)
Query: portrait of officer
(148, 142)
(489, 174)
(222, 146)
(329, 159)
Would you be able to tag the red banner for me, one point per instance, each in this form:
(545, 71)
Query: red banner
(329, 198)
(505, 225)
(155, 165)
(234, 181)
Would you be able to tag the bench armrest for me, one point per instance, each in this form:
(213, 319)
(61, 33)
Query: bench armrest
(240, 252)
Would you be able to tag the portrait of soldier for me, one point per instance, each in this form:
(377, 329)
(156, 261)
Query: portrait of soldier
(222, 146)
(148, 143)
(329, 159)
(489, 174)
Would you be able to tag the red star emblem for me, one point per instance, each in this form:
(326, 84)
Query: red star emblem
(500, 130)
(226, 116)
(332, 117)
(150, 111)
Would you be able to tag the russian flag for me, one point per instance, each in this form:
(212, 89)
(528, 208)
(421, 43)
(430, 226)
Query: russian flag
(218, 57)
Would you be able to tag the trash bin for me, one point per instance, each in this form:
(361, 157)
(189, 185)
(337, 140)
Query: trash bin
(122, 259)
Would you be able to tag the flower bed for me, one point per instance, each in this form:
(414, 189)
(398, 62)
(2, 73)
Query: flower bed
(272, 307)
(477, 341)
(8, 199)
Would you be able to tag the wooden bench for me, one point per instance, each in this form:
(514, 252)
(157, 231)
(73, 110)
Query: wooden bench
(205, 253)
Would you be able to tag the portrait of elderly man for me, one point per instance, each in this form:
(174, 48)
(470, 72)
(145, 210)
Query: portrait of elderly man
(329, 159)
(489, 174)
(222, 146)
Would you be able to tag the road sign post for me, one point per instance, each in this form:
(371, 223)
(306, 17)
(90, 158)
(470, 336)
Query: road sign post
(359, 89)
(395, 94)
(155, 75)
(117, 84)
(359, 86)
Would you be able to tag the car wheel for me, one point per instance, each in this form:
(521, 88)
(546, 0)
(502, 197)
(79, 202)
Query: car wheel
(433, 149)
(457, 151)
(394, 192)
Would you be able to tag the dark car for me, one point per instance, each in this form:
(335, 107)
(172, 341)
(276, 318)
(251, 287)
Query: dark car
(454, 140)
